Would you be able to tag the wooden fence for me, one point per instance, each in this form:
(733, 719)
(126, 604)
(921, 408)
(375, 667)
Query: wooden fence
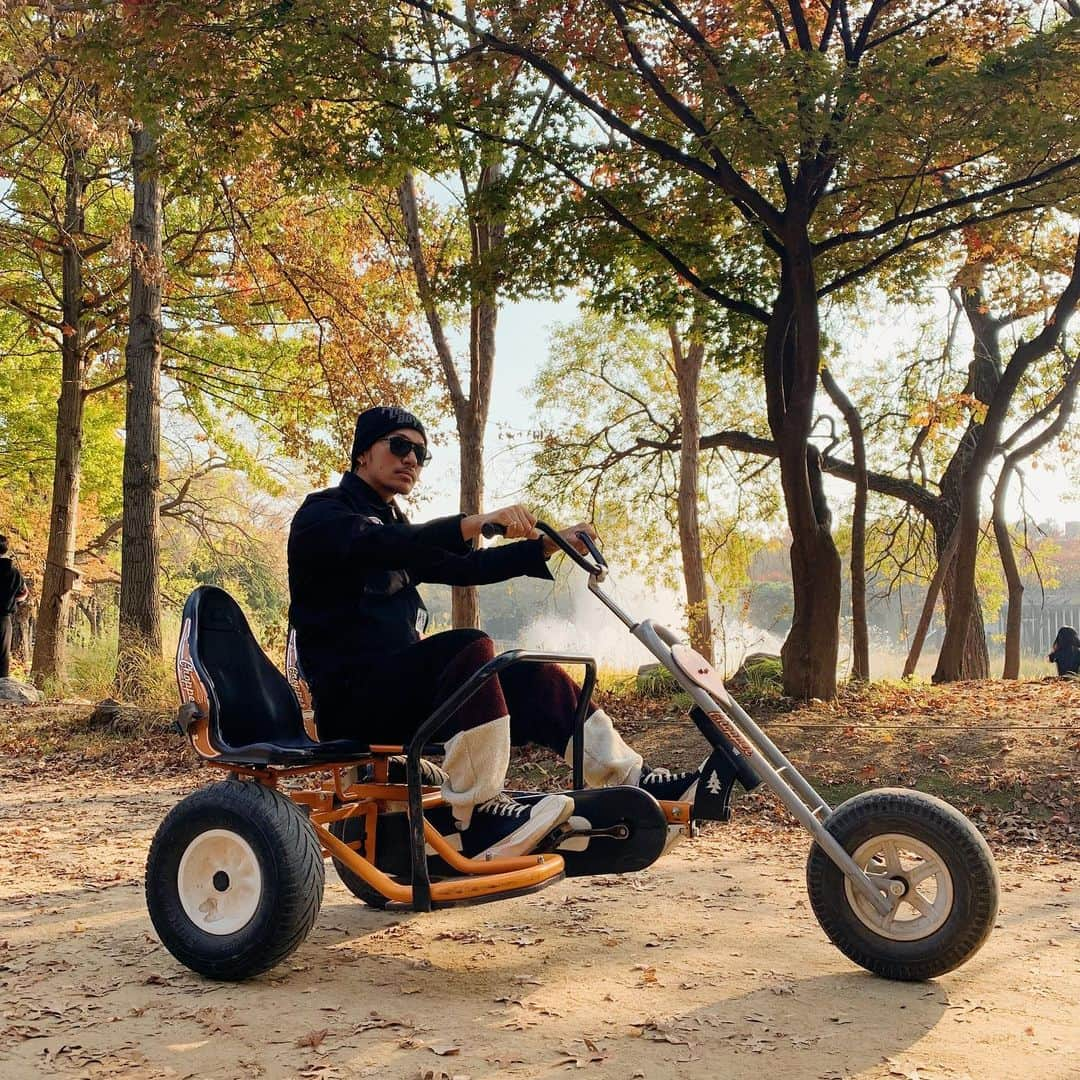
(1039, 625)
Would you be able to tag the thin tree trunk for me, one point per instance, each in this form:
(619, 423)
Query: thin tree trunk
(1063, 402)
(860, 631)
(688, 363)
(487, 232)
(22, 633)
(59, 575)
(465, 600)
(1014, 611)
(140, 551)
(944, 567)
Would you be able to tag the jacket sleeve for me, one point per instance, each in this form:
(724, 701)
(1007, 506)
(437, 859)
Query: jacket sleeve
(522, 558)
(326, 531)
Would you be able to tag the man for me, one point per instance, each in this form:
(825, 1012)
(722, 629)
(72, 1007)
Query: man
(354, 564)
(12, 593)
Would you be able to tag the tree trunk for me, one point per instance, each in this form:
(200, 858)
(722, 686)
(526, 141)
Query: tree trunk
(1014, 611)
(792, 353)
(59, 575)
(984, 377)
(22, 634)
(487, 231)
(465, 600)
(688, 364)
(140, 551)
(810, 652)
(1063, 401)
(860, 631)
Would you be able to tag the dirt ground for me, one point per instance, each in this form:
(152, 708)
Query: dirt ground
(708, 965)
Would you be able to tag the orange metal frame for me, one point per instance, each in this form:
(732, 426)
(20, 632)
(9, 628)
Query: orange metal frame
(337, 800)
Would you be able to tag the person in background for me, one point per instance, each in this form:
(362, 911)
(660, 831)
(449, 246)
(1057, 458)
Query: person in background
(354, 564)
(1066, 651)
(12, 593)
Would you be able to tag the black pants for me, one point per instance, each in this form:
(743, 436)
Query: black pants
(387, 702)
(5, 646)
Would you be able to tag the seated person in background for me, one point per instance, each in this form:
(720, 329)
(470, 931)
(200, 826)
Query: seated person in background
(1066, 651)
(354, 564)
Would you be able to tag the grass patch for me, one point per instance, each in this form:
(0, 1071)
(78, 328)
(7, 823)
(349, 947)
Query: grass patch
(91, 674)
(763, 680)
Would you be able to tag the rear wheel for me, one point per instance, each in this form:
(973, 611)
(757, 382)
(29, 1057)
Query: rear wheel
(933, 865)
(391, 850)
(350, 831)
(234, 880)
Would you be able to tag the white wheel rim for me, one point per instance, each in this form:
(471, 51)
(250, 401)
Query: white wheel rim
(219, 882)
(913, 876)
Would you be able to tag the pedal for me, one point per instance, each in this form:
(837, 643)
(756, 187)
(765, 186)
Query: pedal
(575, 834)
(613, 830)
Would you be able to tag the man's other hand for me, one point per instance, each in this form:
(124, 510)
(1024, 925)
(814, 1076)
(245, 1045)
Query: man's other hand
(570, 536)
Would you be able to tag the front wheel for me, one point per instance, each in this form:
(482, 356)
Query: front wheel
(934, 866)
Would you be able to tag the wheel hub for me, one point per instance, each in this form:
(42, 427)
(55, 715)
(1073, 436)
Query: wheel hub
(219, 882)
(914, 878)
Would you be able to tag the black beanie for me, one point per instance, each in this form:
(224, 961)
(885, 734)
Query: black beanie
(373, 424)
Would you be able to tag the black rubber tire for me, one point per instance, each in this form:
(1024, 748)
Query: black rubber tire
(392, 851)
(959, 845)
(292, 875)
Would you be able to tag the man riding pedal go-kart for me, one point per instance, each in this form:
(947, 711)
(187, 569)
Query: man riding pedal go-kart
(901, 882)
(354, 564)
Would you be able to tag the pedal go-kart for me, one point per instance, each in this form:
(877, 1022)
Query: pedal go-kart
(901, 882)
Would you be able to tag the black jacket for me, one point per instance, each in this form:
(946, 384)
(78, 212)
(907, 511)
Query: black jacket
(11, 586)
(354, 564)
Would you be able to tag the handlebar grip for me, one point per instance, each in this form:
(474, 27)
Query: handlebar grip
(597, 567)
(597, 570)
(594, 551)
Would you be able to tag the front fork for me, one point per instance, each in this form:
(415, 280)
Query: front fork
(761, 753)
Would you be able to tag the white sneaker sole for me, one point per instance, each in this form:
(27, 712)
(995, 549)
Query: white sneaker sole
(546, 815)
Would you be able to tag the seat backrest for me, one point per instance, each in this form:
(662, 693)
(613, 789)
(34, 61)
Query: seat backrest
(250, 701)
(295, 674)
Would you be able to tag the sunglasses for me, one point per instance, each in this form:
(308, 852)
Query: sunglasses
(402, 448)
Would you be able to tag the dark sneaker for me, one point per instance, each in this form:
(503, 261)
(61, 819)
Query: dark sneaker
(502, 828)
(663, 784)
(431, 775)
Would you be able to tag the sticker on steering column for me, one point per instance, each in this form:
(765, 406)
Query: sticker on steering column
(735, 736)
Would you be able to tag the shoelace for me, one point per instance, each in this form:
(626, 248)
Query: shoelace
(504, 806)
(662, 776)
